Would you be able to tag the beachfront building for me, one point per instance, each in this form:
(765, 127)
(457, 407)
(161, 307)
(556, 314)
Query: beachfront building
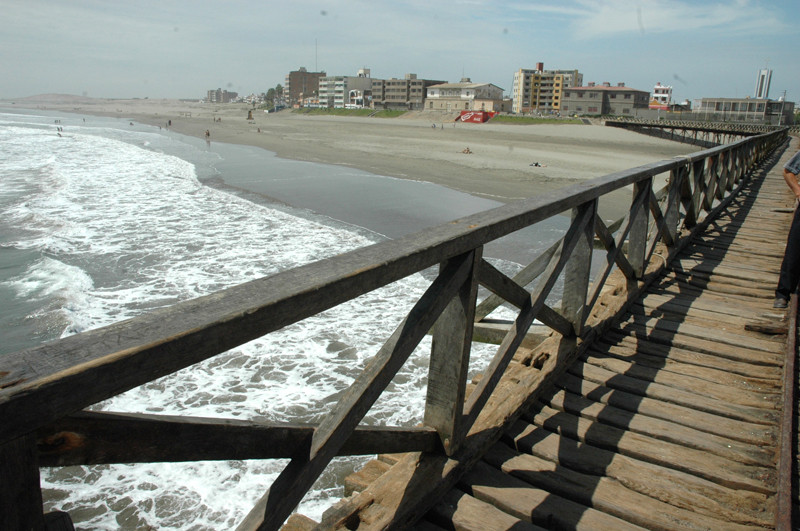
(661, 98)
(751, 110)
(539, 90)
(401, 94)
(300, 86)
(221, 96)
(337, 91)
(466, 96)
(604, 99)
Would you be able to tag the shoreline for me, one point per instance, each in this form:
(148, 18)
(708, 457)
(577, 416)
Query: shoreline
(500, 166)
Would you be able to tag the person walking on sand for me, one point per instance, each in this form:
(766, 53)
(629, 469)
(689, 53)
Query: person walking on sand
(790, 267)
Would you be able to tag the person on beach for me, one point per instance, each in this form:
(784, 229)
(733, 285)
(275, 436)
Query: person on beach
(790, 267)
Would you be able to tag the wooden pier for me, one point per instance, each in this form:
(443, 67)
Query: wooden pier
(656, 400)
(672, 419)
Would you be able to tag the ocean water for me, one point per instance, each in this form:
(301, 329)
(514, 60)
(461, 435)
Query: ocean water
(105, 220)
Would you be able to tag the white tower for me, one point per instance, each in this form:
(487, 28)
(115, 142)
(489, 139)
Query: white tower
(762, 84)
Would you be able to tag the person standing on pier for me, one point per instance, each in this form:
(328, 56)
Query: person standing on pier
(790, 267)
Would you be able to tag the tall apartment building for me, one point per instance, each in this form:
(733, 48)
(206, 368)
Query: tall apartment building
(337, 91)
(539, 90)
(604, 100)
(300, 85)
(762, 84)
(221, 96)
(401, 94)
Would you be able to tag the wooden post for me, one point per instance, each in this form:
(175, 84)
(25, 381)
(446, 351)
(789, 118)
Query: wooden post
(672, 209)
(578, 268)
(449, 362)
(20, 492)
(637, 238)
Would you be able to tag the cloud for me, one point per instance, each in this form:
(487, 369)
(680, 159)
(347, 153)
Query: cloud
(589, 19)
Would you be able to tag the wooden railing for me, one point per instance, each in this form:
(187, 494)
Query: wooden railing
(44, 390)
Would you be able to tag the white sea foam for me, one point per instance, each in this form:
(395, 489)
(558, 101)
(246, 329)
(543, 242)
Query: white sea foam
(119, 230)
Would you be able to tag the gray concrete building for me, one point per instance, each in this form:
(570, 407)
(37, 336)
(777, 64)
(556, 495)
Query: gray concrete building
(406, 94)
(604, 99)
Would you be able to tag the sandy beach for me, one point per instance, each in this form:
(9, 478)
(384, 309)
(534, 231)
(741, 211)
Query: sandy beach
(500, 165)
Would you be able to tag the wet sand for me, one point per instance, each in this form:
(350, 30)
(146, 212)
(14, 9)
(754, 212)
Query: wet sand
(499, 167)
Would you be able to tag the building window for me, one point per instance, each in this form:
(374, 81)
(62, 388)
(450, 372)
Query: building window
(626, 111)
(627, 96)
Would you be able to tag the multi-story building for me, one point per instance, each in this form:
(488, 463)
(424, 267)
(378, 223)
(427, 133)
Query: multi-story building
(661, 98)
(221, 96)
(301, 85)
(337, 91)
(762, 84)
(401, 94)
(540, 90)
(465, 96)
(754, 110)
(604, 99)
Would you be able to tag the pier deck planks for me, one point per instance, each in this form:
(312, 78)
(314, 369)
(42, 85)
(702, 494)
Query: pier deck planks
(671, 420)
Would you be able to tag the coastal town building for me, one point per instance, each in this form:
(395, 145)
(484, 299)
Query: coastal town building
(754, 110)
(301, 86)
(466, 96)
(401, 94)
(540, 90)
(763, 80)
(604, 99)
(221, 96)
(339, 92)
(661, 98)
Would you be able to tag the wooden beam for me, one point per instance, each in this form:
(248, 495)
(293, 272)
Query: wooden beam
(449, 359)
(301, 472)
(20, 494)
(94, 438)
(509, 290)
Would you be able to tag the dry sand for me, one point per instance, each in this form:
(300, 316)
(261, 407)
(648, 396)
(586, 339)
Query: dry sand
(408, 147)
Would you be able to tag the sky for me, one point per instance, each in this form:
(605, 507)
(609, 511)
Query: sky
(183, 48)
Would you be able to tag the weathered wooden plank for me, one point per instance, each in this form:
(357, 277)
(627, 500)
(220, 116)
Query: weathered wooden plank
(674, 396)
(360, 480)
(675, 456)
(524, 501)
(449, 358)
(747, 432)
(670, 486)
(746, 453)
(685, 382)
(695, 351)
(709, 306)
(693, 334)
(466, 513)
(101, 438)
(610, 495)
(578, 267)
(711, 368)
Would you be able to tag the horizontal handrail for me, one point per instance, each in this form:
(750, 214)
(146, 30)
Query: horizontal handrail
(47, 384)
